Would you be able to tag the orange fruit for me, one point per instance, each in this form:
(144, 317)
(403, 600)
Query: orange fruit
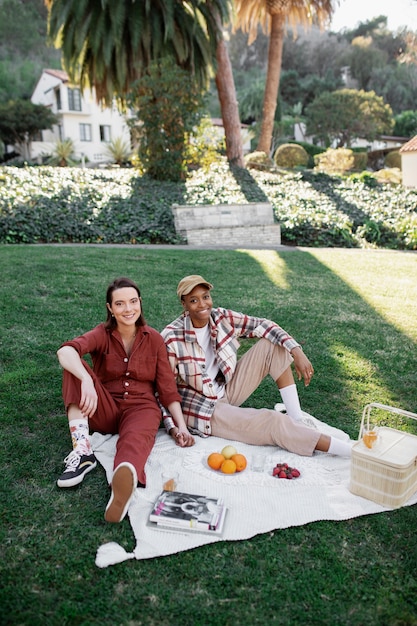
(215, 460)
(228, 467)
(240, 461)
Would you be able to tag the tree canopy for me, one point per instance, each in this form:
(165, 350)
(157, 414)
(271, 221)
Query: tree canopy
(109, 45)
(273, 16)
(169, 106)
(21, 121)
(348, 114)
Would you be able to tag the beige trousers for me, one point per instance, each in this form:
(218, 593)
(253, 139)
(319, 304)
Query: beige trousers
(260, 426)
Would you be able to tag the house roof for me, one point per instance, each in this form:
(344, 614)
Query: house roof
(410, 146)
(58, 74)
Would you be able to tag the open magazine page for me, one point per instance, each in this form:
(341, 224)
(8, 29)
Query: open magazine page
(189, 511)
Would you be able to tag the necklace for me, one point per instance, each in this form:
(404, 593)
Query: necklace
(128, 344)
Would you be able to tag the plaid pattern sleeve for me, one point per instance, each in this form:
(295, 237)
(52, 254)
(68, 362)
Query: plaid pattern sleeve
(251, 327)
(187, 359)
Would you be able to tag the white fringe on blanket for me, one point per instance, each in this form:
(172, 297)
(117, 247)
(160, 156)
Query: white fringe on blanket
(257, 502)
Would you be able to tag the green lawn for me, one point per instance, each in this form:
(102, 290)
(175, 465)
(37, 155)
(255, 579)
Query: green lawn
(355, 313)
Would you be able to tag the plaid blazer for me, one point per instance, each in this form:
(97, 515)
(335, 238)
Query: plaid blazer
(187, 359)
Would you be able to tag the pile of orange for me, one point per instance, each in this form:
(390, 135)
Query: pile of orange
(227, 464)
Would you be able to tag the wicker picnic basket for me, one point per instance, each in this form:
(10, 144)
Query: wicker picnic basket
(386, 473)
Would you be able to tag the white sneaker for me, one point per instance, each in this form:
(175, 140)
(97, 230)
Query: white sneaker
(123, 487)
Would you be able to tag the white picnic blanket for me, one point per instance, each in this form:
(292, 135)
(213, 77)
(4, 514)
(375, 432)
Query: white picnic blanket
(256, 502)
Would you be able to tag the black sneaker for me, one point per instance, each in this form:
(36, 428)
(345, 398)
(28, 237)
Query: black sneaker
(76, 468)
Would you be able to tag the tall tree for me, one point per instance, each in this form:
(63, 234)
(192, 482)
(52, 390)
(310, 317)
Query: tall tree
(274, 16)
(110, 45)
(21, 121)
(228, 100)
(348, 114)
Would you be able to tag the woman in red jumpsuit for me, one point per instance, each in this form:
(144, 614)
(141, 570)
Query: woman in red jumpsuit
(117, 395)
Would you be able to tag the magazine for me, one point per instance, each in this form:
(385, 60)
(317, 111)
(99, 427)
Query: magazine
(186, 511)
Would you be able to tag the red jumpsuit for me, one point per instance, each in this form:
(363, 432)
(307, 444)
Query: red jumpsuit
(126, 389)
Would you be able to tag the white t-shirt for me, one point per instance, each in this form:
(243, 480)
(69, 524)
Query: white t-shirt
(204, 340)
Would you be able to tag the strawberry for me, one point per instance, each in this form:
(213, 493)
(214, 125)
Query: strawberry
(283, 470)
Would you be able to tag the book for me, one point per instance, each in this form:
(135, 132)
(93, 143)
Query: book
(177, 510)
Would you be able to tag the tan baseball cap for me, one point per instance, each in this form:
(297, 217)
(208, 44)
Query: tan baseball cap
(187, 284)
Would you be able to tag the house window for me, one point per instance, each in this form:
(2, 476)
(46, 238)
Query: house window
(74, 99)
(60, 132)
(58, 99)
(85, 132)
(105, 133)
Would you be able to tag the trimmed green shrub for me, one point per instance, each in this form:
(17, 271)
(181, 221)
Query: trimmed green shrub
(311, 150)
(259, 161)
(335, 161)
(389, 175)
(360, 160)
(393, 159)
(291, 155)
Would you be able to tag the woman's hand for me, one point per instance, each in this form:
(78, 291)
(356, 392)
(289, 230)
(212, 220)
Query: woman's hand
(302, 365)
(183, 438)
(88, 401)
(71, 361)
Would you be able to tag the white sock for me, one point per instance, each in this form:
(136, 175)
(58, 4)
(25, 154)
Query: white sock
(291, 400)
(339, 447)
(80, 435)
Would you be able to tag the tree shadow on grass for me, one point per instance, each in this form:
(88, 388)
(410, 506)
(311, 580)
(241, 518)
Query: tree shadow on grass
(359, 357)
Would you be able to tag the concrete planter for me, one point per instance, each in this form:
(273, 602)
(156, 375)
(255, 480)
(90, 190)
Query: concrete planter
(228, 225)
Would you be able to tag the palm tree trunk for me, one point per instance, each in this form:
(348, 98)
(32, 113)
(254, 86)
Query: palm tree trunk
(228, 101)
(276, 42)
(229, 106)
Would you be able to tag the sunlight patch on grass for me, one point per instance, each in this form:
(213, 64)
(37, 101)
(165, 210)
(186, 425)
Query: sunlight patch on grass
(361, 376)
(379, 278)
(272, 264)
(354, 366)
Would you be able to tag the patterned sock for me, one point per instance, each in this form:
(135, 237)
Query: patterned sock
(80, 436)
(291, 400)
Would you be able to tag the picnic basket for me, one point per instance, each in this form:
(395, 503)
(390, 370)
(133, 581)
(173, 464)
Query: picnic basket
(386, 473)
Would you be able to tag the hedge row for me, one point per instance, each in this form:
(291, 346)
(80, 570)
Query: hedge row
(46, 204)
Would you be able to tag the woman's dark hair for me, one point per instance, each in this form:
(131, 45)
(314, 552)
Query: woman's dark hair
(120, 283)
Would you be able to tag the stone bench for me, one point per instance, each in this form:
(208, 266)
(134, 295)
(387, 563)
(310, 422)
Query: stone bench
(228, 225)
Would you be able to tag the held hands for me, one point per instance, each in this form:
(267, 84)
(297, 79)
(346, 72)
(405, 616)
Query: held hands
(302, 365)
(183, 438)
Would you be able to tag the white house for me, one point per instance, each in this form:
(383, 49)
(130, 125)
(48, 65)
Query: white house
(384, 142)
(81, 119)
(245, 131)
(409, 162)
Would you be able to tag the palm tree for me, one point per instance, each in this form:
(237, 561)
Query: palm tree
(273, 16)
(109, 45)
(228, 100)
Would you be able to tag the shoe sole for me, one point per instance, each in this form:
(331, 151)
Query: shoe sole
(73, 482)
(123, 487)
